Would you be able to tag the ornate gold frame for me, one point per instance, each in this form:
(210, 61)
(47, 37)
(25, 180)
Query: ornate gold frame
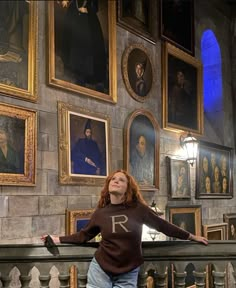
(64, 125)
(184, 60)
(196, 210)
(28, 177)
(72, 216)
(128, 77)
(29, 94)
(147, 31)
(53, 80)
(156, 144)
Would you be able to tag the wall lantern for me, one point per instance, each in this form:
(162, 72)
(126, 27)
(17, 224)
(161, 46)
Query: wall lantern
(190, 145)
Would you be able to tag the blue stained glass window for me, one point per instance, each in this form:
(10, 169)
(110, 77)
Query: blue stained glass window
(212, 72)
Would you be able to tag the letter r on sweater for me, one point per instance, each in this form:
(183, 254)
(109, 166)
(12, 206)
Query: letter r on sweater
(119, 220)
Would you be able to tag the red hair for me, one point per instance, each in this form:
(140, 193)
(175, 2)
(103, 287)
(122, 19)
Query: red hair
(132, 194)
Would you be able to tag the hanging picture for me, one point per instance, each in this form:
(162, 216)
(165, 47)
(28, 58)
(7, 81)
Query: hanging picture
(182, 91)
(18, 49)
(141, 148)
(178, 179)
(137, 72)
(177, 23)
(214, 171)
(187, 217)
(84, 146)
(17, 145)
(82, 47)
(138, 17)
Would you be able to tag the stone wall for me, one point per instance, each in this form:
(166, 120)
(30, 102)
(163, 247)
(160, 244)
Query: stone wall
(28, 212)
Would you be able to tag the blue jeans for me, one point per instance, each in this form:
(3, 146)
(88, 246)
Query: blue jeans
(97, 278)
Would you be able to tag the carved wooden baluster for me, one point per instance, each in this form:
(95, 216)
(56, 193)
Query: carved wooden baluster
(219, 279)
(44, 280)
(200, 279)
(6, 281)
(64, 280)
(160, 279)
(82, 281)
(234, 275)
(180, 279)
(25, 280)
(142, 279)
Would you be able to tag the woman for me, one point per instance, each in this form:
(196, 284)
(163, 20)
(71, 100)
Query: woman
(119, 217)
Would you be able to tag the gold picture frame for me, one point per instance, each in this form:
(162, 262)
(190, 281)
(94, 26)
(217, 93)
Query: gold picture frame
(178, 178)
(18, 130)
(230, 219)
(214, 171)
(75, 220)
(142, 129)
(137, 72)
(138, 21)
(19, 49)
(81, 162)
(182, 91)
(189, 218)
(217, 231)
(64, 60)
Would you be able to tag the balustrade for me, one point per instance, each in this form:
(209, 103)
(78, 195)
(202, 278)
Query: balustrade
(166, 262)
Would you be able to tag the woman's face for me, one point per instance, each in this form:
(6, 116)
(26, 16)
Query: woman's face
(217, 173)
(208, 184)
(224, 184)
(118, 184)
(205, 164)
(139, 70)
(3, 136)
(232, 229)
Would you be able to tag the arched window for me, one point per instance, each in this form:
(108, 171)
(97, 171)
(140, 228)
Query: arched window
(212, 72)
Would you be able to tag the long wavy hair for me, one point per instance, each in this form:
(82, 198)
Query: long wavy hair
(132, 195)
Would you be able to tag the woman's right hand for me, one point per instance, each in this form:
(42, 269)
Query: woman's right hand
(55, 239)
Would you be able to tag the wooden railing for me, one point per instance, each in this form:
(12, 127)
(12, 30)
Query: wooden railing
(166, 264)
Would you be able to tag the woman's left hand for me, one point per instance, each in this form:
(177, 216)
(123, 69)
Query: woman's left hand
(198, 239)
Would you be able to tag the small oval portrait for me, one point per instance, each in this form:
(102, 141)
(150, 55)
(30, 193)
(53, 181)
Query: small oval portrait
(137, 72)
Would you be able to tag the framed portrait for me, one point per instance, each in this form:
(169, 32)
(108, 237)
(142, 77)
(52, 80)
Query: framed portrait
(231, 220)
(82, 47)
(84, 146)
(17, 145)
(137, 17)
(142, 148)
(182, 91)
(137, 72)
(18, 49)
(216, 231)
(75, 221)
(177, 23)
(178, 179)
(214, 171)
(188, 217)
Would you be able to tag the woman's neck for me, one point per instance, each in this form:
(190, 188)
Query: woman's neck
(116, 198)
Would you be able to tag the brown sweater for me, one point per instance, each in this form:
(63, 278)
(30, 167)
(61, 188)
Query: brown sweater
(120, 249)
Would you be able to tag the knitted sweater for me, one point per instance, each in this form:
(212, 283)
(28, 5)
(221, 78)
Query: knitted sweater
(120, 249)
